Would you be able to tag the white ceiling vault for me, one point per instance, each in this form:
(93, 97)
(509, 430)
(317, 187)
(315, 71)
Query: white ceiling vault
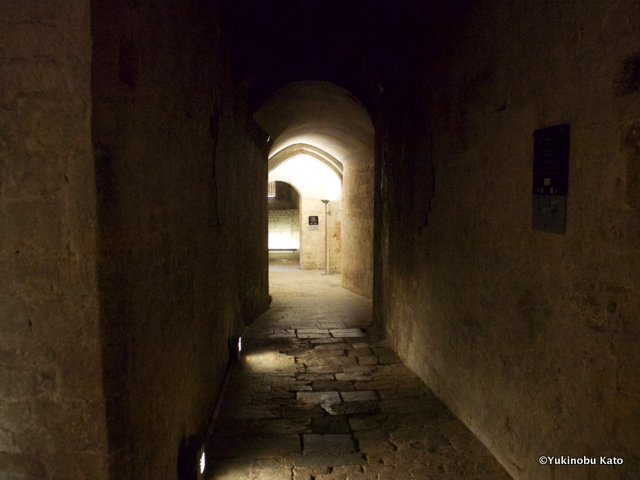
(321, 117)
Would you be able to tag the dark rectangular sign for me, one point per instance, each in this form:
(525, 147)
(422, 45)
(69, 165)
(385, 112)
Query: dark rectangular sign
(313, 220)
(551, 160)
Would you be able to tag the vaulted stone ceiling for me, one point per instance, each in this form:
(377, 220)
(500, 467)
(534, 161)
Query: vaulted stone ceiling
(318, 114)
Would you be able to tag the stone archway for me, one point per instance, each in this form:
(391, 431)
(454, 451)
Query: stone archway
(283, 205)
(319, 228)
(304, 149)
(326, 122)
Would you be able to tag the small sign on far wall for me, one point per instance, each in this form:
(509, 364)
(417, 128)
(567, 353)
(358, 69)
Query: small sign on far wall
(313, 222)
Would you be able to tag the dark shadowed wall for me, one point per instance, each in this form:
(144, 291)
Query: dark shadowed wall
(182, 223)
(530, 337)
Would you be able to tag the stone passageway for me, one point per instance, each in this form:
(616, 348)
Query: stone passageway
(314, 398)
(482, 186)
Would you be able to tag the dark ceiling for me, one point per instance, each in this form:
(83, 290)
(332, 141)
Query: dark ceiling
(350, 43)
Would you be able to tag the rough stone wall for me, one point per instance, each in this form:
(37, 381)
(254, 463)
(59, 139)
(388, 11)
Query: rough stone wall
(530, 337)
(312, 242)
(357, 263)
(334, 231)
(52, 415)
(312, 246)
(182, 184)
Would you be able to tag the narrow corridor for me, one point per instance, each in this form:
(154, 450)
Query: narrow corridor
(314, 398)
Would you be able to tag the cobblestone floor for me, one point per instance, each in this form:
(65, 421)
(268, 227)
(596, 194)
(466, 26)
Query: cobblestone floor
(314, 398)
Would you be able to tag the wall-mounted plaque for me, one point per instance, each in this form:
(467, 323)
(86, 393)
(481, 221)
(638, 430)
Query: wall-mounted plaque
(313, 222)
(551, 160)
(550, 179)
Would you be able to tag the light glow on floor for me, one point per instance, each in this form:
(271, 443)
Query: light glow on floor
(259, 359)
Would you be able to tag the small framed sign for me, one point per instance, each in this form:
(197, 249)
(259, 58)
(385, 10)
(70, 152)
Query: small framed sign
(313, 222)
(551, 160)
(550, 179)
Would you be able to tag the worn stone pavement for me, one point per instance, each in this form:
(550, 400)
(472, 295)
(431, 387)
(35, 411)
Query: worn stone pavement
(314, 398)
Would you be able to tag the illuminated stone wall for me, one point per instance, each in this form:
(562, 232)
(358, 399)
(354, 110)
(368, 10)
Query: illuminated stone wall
(335, 219)
(357, 241)
(52, 413)
(284, 229)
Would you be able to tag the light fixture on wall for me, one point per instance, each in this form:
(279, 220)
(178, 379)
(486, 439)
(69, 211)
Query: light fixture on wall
(235, 347)
(202, 463)
(191, 459)
(326, 237)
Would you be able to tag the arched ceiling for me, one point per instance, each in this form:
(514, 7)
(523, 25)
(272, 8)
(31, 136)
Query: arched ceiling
(310, 151)
(319, 114)
(300, 65)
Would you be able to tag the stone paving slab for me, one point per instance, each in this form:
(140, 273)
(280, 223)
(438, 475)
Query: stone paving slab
(323, 369)
(360, 352)
(285, 426)
(331, 346)
(318, 397)
(302, 411)
(255, 447)
(313, 330)
(315, 377)
(328, 444)
(348, 332)
(313, 335)
(362, 395)
(367, 360)
(312, 398)
(329, 360)
(354, 377)
(364, 369)
(330, 424)
(326, 340)
(335, 352)
(352, 408)
(293, 386)
(335, 386)
(329, 460)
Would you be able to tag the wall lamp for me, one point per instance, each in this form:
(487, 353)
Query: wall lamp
(191, 459)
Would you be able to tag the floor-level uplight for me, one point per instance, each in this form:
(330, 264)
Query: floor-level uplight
(202, 463)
